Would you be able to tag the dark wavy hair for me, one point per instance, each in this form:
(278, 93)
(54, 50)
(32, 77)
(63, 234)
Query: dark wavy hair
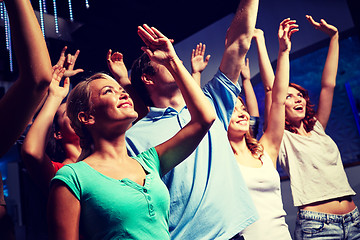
(142, 65)
(54, 147)
(309, 120)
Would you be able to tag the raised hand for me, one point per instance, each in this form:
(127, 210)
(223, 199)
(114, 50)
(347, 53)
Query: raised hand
(116, 65)
(322, 26)
(55, 90)
(68, 62)
(286, 29)
(158, 47)
(198, 63)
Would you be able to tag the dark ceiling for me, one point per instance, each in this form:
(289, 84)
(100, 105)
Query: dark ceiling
(113, 24)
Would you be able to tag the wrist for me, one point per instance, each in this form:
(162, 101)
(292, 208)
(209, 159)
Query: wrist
(335, 36)
(54, 98)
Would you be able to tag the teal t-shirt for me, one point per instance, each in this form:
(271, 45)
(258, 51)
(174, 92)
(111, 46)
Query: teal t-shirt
(120, 209)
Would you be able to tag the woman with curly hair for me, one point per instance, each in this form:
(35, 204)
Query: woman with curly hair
(312, 160)
(257, 159)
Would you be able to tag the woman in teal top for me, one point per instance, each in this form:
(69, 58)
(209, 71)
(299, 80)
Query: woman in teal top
(110, 195)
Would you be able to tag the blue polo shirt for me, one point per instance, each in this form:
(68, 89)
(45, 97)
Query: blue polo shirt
(208, 196)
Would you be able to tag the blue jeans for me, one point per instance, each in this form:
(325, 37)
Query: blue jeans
(315, 225)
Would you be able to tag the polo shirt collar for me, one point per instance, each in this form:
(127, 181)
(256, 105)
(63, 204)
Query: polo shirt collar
(158, 113)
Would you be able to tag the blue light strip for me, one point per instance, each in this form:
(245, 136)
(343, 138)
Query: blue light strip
(42, 17)
(87, 4)
(56, 18)
(2, 10)
(44, 6)
(8, 39)
(70, 11)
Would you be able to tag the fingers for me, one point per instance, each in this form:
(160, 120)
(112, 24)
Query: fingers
(66, 83)
(312, 21)
(76, 55)
(287, 28)
(58, 74)
(62, 57)
(158, 33)
(144, 35)
(293, 30)
(207, 58)
(108, 55)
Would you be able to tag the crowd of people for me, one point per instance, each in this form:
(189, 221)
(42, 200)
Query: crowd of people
(155, 156)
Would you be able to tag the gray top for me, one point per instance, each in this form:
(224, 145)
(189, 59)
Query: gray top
(314, 166)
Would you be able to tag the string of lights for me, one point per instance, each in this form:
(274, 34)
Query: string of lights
(42, 11)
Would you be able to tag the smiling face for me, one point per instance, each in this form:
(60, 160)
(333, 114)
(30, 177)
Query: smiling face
(295, 105)
(110, 102)
(240, 121)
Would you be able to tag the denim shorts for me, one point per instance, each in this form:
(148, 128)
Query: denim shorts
(315, 225)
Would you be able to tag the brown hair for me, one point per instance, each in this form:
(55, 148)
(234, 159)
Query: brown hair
(309, 120)
(252, 143)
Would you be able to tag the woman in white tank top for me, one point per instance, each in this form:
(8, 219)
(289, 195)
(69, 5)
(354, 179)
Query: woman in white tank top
(257, 160)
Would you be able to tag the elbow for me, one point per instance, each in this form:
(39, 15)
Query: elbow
(208, 120)
(28, 154)
(239, 47)
(268, 89)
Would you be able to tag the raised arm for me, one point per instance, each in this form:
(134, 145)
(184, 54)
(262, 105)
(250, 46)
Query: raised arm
(20, 102)
(198, 62)
(273, 134)
(328, 79)
(116, 65)
(250, 97)
(175, 150)
(266, 71)
(238, 39)
(36, 161)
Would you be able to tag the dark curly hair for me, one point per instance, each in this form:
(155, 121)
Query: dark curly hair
(309, 120)
(142, 65)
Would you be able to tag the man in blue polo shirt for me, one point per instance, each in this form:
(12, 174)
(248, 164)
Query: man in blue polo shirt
(208, 196)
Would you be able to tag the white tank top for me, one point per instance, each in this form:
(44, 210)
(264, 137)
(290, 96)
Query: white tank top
(264, 187)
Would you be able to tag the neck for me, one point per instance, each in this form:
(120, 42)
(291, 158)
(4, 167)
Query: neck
(300, 128)
(110, 147)
(72, 152)
(169, 98)
(238, 145)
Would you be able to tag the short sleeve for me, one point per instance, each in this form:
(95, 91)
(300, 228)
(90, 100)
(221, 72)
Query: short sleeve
(151, 159)
(68, 176)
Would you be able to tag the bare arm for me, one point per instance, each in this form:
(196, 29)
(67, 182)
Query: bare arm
(272, 137)
(238, 39)
(176, 149)
(250, 97)
(33, 153)
(328, 79)
(116, 65)
(198, 63)
(266, 71)
(20, 102)
(63, 213)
